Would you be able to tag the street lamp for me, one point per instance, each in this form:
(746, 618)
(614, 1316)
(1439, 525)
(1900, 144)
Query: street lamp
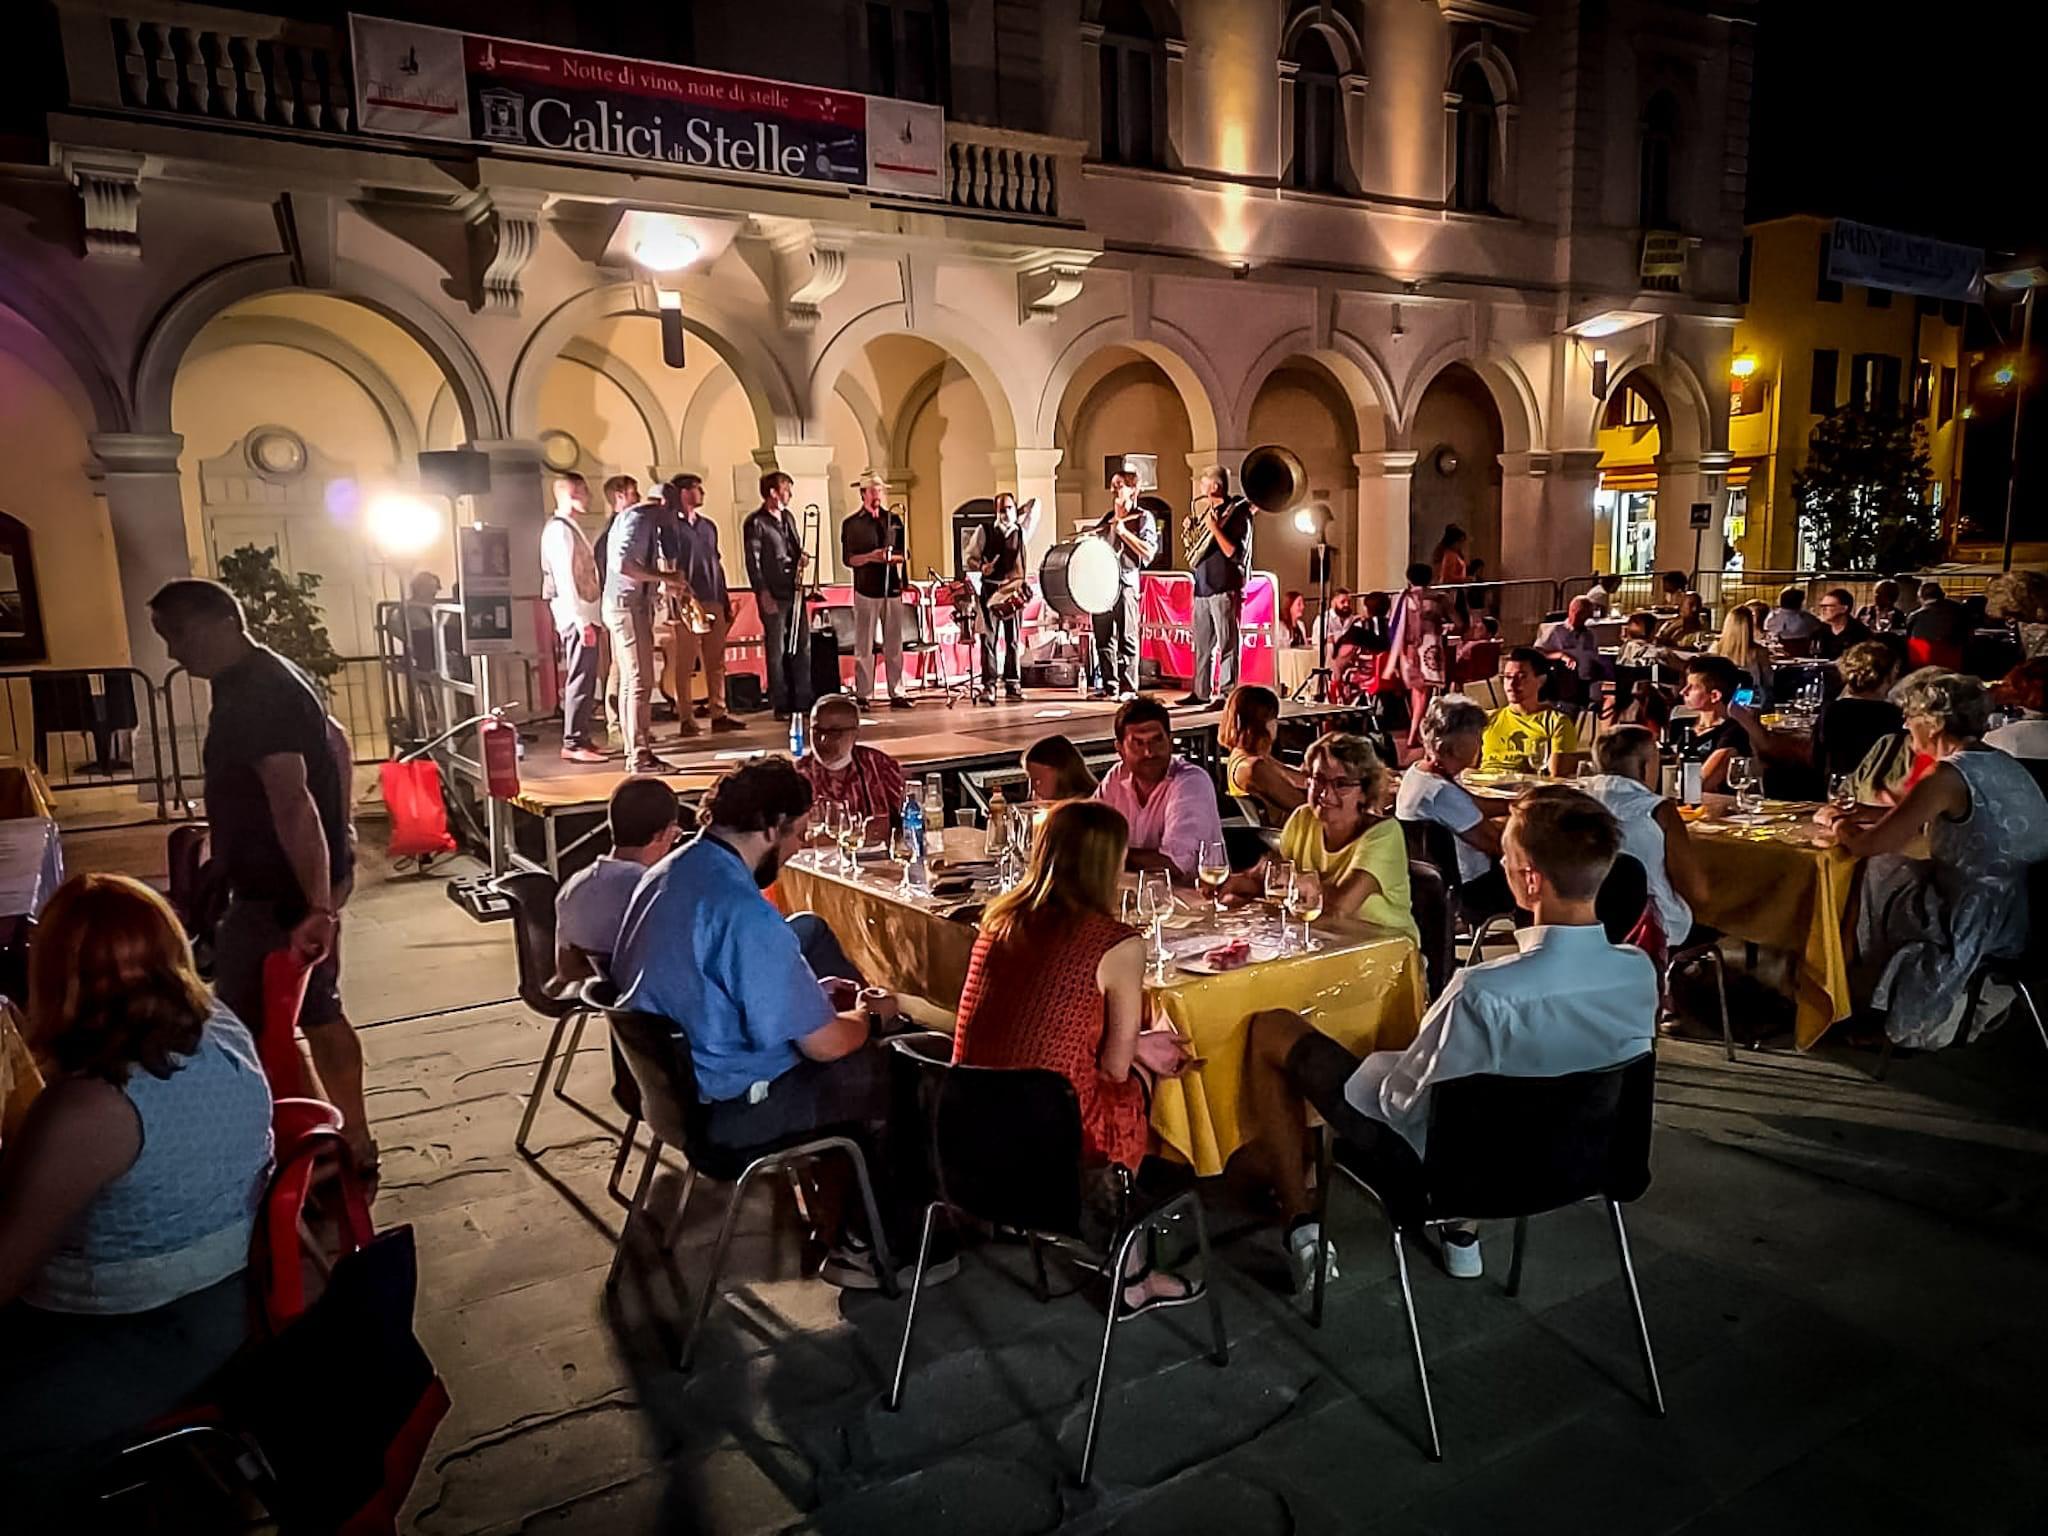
(1313, 518)
(2022, 281)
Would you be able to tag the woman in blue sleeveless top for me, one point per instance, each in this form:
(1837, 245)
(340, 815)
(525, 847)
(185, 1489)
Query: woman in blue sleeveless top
(128, 1198)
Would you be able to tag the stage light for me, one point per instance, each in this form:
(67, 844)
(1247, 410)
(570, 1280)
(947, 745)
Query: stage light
(2003, 374)
(1312, 518)
(1744, 365)
(402, 525)
(664, 248)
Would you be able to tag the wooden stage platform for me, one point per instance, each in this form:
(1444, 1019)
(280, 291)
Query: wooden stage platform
(561, 805)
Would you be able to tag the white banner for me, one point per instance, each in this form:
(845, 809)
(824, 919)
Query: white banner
(1885, 258)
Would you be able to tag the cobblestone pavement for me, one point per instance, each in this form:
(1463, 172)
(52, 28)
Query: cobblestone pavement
(1843, 1279)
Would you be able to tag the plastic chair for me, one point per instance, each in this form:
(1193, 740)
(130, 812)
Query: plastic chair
(660, 1063)
(1520, 1147)
(532, 895)
(1006, 1150)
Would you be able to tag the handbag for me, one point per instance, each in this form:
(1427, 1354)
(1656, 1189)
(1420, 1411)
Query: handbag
(419, 819)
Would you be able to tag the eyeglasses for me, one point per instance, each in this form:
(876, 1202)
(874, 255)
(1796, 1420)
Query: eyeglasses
(1322, 781)
(834, 730)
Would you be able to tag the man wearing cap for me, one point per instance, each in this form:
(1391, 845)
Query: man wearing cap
(871, 544)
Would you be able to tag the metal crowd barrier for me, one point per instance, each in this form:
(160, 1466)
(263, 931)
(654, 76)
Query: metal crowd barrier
(87, 728)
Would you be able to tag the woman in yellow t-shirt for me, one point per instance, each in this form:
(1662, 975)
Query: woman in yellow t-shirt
(1360, 855)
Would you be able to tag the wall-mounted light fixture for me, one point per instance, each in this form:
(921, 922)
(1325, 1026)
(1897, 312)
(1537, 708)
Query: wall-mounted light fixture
(1599, 373)
(669, 305)
(1743, 365)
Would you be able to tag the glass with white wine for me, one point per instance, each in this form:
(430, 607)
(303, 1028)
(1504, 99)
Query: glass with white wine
(850, 833)
(1305, 901)
(1279, 875)
(1212, 868)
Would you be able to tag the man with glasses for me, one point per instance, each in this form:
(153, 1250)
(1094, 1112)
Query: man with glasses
(845, 772)
(1837, 612)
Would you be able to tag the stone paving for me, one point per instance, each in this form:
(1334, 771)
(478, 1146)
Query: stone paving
(1843, 1278)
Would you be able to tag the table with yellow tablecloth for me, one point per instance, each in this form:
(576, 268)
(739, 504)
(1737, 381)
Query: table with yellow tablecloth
(1363, 988)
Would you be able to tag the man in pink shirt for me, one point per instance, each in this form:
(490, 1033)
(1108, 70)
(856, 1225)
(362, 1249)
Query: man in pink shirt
(1170, 803)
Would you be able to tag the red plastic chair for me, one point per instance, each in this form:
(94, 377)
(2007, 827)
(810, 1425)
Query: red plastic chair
(312, 1159)
(277, 1034)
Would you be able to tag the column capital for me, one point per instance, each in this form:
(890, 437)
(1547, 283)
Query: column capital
(1388, 464)
(1026, 463)
(796, 459)
(134, 453)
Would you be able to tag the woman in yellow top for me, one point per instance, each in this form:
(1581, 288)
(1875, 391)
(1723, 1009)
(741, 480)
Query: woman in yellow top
(1269, 789)
(1340, 836)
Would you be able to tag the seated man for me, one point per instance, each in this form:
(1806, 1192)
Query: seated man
(1569, 1001)
(1169, 802)
(840, 769)
(1711, 683)
(777, 1052)
(1572, 638)
(1791, 625)
(1525, 735)
(592, 902)
(1652, 831)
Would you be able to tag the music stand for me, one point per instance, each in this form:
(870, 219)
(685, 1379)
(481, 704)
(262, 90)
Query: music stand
(928, 623)
(1313, 517)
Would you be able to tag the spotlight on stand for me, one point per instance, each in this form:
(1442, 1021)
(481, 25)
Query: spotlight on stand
(1313, 518)
(402, 525)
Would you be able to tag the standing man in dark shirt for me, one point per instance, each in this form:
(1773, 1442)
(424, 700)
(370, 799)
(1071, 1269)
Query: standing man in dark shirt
(277, 806)
(775, 570)
(998, 554)
(703, 568)
(871, 544)
(1220, 571)
(1134, 534)
(633, 581)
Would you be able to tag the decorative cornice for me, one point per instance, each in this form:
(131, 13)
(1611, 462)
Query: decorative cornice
(505, 221)
(828, 267)
(1043, 291)
(109, 183)
(1481, 13)
(134, 453)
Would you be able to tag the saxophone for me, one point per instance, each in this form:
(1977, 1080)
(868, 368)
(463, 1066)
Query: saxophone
(1195, 536)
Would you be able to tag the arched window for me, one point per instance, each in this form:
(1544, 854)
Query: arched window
(1660, 152)
(1318, 164)
(1132, 85)
(1478, 133)
(907, 54)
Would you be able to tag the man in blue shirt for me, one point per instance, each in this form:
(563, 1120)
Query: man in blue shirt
(777, 1051)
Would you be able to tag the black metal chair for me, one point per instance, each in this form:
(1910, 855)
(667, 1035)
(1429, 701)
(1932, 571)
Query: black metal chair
(532, 895)
(1434, 844)
(660, 1064)
(1520, 1147)
(1006, 1150)
(1431, 904)
(1623, 896)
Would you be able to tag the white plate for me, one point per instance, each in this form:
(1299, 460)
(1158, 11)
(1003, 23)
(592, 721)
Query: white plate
(1187, 956)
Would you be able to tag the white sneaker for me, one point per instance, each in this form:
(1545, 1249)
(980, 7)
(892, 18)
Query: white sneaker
(1462, 1260)
(1302, 1243)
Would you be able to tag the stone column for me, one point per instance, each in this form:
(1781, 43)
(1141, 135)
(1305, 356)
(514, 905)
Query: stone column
(138, 474)
(1546, 513)
(1680, 484)
(1385, 484)
(810, 466)
(1029, 472)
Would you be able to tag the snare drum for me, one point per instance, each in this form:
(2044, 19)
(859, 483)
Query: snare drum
(1080, 577)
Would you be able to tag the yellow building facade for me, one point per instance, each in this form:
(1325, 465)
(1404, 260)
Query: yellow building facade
(1805, 347)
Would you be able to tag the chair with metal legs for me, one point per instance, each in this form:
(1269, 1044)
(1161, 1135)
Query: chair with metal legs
(1006, 1150)
(1510, 1146)
(2023, 974)
(532, 895)
(659, 1062)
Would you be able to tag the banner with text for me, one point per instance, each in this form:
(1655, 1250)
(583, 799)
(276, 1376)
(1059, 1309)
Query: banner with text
(1166, 628)
(1885, 258)
(424, 82)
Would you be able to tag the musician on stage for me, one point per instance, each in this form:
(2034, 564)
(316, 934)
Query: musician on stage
(697, 556)
(1221, 559)
(775, 570)
(1134, 534)
(997, 552)
(574, 592)
(632, 582)
(871, 544)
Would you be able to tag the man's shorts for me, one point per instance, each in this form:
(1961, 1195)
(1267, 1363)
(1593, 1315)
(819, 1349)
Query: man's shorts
(248, 932)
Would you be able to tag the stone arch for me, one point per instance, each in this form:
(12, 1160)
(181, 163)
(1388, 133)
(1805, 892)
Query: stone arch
(1337, 31)
(1178, 356)
(181, 321)
(1163, 14)
(865, 412)
(1685, 419)
(1521, 415)
(1354, 370)
(915, 399)
(706, 398)
(438, 411)
(227, 331)
(953, 333)
(767, 387)
(661, 439)
(39, 328)
(1500, 74)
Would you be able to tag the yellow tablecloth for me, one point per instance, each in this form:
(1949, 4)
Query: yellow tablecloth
(20, 1082)
(1363, 988)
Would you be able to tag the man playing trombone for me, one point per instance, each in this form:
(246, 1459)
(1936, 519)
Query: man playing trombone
(1219, 555)
(1134, 534)
(775, 570)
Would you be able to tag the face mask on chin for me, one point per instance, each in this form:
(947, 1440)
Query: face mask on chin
(835, 764)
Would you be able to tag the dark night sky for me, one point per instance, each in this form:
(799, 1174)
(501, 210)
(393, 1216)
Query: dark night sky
(1938, 124)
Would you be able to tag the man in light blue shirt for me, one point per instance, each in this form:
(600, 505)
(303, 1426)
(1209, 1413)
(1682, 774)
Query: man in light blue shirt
(590, 908)
(777, 1052)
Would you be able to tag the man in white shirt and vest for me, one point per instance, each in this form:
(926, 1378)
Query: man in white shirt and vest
(1567, 1001)
(570, 583)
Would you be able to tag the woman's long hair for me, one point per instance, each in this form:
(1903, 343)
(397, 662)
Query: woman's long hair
(1075, 861)
(111, 984)
(1738, 640)
(1073, 780)
(1251, 719)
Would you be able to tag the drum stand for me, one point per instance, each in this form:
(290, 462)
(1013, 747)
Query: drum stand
(928, 621)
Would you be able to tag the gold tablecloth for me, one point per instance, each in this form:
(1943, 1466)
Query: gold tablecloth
(1363, 988)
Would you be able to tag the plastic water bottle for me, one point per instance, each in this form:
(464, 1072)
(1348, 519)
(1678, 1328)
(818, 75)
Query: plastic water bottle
(934, 819)
(998, 824)
(796, 734)
(916, 874)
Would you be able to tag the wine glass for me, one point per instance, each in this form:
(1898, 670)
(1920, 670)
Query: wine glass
(821, 827)
(1155, 905)
(1305, 901)
(1279, 875)
(1212, 868)
(1842, 792)
(850, 833)
(1742, 779)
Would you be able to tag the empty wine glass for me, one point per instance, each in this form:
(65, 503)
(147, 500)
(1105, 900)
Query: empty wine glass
(1742, 780)
(1842, 792)
(1155, 905)
(1305, 901)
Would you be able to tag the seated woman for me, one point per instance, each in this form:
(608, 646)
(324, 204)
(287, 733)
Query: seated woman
(1922, 925)
(1339, 836)
(1453, 730)
(1293, 621)
(1057, 770)
(128, 1199)
(1850, 724)
(1266, 787)
(1639, 640)
(1739, 644)
(1057, 982)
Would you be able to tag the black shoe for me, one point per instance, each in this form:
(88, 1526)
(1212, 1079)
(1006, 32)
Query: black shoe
(1014, 694)
(1192, 701)
(898, 701)
(727, 723)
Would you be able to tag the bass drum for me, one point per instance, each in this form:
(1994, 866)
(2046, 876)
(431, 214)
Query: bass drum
(1079, 577)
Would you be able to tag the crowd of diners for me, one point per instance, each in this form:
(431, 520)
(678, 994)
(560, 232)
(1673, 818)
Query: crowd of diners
(128, 1192)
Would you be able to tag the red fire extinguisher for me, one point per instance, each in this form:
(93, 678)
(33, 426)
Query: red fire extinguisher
(501, 758)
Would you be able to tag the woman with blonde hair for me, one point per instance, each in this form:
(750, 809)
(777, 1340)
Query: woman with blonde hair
(129, 1196)
(1057, 770)
(1057, 982)
(1268, 788)
(1739, 644)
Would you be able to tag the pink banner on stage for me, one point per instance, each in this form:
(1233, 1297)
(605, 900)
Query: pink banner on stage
(1167, 625)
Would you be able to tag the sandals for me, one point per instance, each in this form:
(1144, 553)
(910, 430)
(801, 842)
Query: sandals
(1190, 1291)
